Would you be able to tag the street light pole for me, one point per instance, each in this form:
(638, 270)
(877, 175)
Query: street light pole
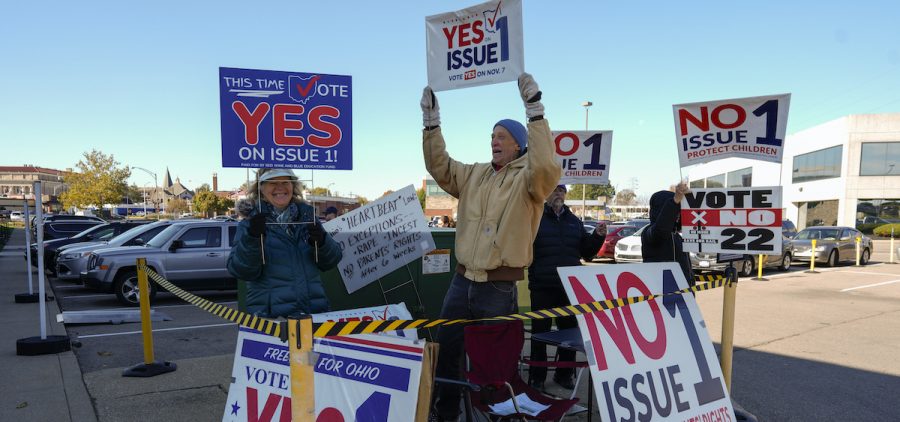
(155, 187)
(587, 105)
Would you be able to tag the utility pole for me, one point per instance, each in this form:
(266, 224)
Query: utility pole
(586, 105)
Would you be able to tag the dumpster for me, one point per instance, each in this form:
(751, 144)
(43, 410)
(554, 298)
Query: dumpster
(392, 288)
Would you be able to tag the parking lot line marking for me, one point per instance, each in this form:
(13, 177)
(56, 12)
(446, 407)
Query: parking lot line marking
(85, 296)
(868, 273)
(871, 285)
(157, 330)
(68, 287)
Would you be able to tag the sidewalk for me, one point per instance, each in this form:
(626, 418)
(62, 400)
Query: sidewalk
(53, 388)
(34, 388)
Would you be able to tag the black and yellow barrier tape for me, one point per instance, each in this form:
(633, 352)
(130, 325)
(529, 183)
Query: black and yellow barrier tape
(707, 278)
(276, 328)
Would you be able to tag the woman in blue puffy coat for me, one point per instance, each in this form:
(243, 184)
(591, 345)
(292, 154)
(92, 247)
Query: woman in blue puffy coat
(287, 282)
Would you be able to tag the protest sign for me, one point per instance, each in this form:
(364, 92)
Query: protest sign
(273, 119)
(380, 237)
(478, 45)
(361, 377)
(743, 127)
(651, 360)
(584, 156)
(735, 220)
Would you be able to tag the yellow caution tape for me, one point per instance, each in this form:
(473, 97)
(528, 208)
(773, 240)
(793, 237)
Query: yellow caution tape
(327, 329)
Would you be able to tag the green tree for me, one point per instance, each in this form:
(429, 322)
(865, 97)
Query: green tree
(134, 194)
(205, 202)
(362, 200)
(626, 197)
(97, 180)
(592, 192)
(203, 187)
(320, 192)
(420, 192)
(176, 206)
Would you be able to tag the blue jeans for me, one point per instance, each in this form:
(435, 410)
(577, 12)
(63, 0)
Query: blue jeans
(470, 300)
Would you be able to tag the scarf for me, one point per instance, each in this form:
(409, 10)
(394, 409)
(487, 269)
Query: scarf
(283, 217)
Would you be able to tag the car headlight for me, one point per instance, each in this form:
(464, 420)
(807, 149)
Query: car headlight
(820, 248)
(69, 256)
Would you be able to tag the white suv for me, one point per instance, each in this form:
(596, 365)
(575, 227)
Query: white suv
(628, 249)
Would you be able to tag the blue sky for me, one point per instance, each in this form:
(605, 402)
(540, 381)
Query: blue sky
(139, 79)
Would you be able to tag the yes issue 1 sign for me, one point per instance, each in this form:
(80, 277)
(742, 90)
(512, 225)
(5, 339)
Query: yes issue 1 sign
(737, 220)
(651, 360)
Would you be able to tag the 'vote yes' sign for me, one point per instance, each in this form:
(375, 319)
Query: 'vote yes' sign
(479, 45)
(736, 220)
(651, 360)
(584, 156)
(276, 119)
(744, 127)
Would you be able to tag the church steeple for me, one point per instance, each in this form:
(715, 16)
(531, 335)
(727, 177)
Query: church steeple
(167, 182)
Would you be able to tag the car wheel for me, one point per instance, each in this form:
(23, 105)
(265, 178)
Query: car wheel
(864, 258)
(833, 258)
(785, 262)
(127, 291)
(746, 269)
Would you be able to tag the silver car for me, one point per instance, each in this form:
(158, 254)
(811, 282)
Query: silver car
(833, 245)
(190, 254)
(72, 259)
(703, 261)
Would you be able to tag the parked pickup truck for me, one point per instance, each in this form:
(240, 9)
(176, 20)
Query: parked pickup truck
(191, 254)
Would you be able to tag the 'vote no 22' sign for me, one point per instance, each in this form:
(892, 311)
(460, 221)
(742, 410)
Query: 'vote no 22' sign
(736, 220)
(583, 155)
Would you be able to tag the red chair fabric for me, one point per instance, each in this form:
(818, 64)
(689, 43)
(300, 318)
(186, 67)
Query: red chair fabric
(493, 352)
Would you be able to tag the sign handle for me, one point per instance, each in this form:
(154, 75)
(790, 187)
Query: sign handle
(303, 393)
(728, 324)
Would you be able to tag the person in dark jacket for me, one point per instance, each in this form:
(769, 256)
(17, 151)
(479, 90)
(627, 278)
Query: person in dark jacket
(561, 241)
(279, 226)
(660, 240)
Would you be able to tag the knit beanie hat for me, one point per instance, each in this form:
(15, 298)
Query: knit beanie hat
(518, 132)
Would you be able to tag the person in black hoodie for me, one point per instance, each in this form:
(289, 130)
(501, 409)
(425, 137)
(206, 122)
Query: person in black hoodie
(660, 241)
(561, 241)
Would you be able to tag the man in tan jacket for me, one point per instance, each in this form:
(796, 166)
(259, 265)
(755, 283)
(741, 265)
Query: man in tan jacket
(500, 207)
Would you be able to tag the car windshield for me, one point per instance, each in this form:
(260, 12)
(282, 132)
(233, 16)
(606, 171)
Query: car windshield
(640, 230)
(163, 236)
(131, 234)
(90, 230)
(826, 234)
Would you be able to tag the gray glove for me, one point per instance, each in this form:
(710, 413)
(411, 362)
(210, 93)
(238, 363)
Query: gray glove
(431, 111)
(531, 96)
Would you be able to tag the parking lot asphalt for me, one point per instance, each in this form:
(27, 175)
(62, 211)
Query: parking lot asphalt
(807, 347)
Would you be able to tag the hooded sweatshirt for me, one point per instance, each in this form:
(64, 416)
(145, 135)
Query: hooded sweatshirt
(660, 241)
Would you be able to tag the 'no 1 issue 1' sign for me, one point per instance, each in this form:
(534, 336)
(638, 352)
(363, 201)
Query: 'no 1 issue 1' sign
(751, 128)
(652, 360)
(273, 119)
(583, 155)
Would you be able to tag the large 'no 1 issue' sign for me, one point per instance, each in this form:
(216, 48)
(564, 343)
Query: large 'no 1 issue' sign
(743, 127)
(736, 220)
(652, 360)
(583, 155)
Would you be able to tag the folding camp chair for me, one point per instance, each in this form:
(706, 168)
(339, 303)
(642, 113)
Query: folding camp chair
(493, 352)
